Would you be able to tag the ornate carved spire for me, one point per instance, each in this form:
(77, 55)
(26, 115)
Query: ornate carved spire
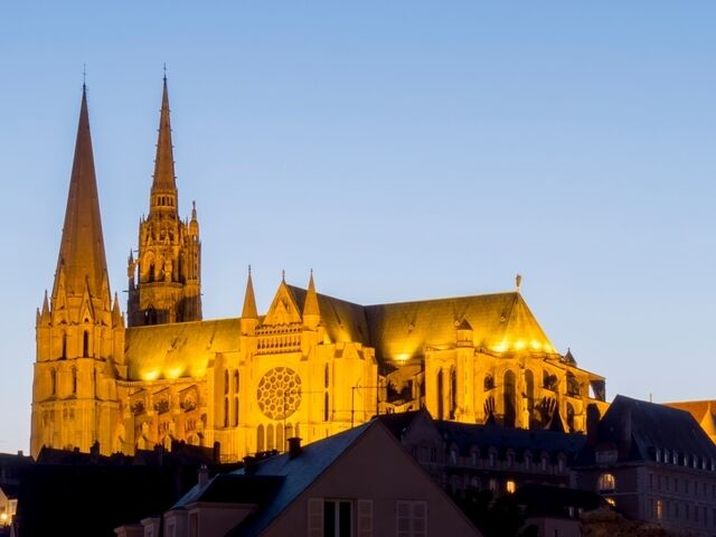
(82, 257)
(164, 179)
(249, 311)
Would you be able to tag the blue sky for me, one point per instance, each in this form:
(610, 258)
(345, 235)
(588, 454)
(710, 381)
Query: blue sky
(403, 150)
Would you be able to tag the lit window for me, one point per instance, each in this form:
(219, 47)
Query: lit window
(412, 518)
(611, 502)
(510, 486)
(659, 509)
(606, 483)
(493, 484)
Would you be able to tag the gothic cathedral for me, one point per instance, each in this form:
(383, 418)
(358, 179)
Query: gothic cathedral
(311, 366)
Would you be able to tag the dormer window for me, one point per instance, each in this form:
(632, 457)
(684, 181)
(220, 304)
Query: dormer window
(658, 454)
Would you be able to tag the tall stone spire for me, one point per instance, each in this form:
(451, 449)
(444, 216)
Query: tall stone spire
(82, 262)
(164, 190)
(165, 276)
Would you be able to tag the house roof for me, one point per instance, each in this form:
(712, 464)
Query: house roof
(466, 436)
(637, 428)
(297, 473)
(399, 423)
(233, 488)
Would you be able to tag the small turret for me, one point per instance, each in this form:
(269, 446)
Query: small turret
(463, 333)
(194, 222)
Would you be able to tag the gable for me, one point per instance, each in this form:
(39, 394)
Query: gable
(376, 468)
(284, 308)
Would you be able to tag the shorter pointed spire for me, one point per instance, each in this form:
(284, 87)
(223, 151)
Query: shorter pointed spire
(249, 311)
(116, 313)
(45, 305)
(310, 304)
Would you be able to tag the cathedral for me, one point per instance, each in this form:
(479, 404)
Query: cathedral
(311, 366)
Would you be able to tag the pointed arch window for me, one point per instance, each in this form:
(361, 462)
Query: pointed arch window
(74, 381)
(85, 343)
(226, 411)
(509, 393)
(279, 438)
(269, 437)
(260, 439)
(453, 393)
(53, 382)
(326, 397)
(64, 345)
(441, 402)
(236, 398)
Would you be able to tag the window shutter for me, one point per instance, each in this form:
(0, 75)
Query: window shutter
(365, 518)
(403, 519)
(420, 519)
(315, 517)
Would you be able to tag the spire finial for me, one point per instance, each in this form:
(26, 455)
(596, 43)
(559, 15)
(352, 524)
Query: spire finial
(283, 275)
(518, 282)
(165, 71)
(84, 76)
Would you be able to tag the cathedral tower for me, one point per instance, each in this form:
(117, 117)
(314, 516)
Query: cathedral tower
(79, 332)
(164, 279)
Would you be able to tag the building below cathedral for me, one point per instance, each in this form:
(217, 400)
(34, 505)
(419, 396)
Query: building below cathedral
(310, 366)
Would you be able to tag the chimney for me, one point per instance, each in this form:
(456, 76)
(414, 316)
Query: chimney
(203, 475)
(294, 447)
(249, 464)
(592, 424)
(20, 454)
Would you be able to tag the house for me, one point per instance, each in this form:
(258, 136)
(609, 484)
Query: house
(360, 482)
(654, 463)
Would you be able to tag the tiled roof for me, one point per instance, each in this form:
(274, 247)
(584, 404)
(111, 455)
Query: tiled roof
(638, 428)
(298, 473)
(466, 436)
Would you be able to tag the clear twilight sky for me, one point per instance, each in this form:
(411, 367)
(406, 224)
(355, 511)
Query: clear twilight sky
(404, 150)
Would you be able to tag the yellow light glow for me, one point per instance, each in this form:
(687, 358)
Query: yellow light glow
(402, 357)
(520, 344)
(152, 374)
(174, 372)
(535, 345)
(511, 487)
(3, 518)
(500, 347)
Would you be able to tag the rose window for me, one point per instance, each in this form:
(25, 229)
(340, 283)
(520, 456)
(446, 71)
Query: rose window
(279, 393)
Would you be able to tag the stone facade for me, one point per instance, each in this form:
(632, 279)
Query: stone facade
(311, 366)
